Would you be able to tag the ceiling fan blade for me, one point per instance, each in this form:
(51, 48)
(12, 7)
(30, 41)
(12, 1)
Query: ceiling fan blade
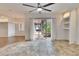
(32, 10)
(48, 4)
(47, 9)
(29, 5)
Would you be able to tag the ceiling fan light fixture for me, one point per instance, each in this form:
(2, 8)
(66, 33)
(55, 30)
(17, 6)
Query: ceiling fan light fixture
(39, 9)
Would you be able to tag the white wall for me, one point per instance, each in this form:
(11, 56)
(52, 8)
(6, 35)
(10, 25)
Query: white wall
(53, 29)
(73, 27)
(11, 29)
(77, 40)
(31, 29)
(60, 34)
(3, 29)
(27, 27)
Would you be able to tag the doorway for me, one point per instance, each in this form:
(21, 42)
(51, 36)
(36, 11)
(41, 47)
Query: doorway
(41, 29)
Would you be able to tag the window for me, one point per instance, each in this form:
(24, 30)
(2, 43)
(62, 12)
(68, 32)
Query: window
(21, 27)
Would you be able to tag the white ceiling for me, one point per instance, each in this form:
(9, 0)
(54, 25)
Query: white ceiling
(18, 11)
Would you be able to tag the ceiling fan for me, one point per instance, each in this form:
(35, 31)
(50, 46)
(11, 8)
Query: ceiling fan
(39, 8)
